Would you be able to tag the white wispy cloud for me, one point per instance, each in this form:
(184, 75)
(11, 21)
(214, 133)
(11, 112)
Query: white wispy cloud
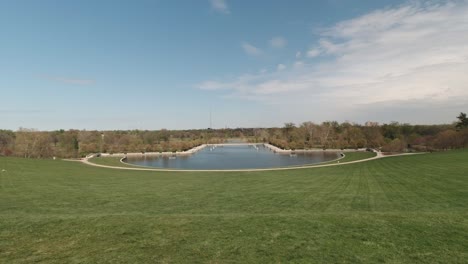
(298, 64)
(278, 42)
(313, 53)
(413, 55)
(251, 49)
(220, 6)
(69, 80)
(280, 67)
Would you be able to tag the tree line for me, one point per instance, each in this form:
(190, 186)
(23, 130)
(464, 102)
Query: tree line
(391, 137)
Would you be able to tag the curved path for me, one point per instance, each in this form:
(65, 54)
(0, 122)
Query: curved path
(137, 168)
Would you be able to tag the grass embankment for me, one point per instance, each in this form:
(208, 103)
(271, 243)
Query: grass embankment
(110, 161)
(353, 156)
(399, 209)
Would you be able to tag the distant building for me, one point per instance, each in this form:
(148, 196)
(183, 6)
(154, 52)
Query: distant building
(371, 124)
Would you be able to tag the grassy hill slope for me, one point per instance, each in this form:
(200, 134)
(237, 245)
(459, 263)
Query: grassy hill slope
(397, 209)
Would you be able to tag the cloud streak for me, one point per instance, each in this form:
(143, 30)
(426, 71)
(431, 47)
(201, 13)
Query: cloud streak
(67, 80)
(391, 57)
(278, 42)
(251, 49)
(220, 6)
(313, 53)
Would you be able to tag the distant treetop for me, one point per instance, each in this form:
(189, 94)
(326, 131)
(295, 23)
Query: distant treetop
(462, 121)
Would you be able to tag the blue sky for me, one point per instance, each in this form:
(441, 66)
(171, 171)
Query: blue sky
(165, 64)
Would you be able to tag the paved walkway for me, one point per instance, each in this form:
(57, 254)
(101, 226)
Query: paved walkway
(136, 168)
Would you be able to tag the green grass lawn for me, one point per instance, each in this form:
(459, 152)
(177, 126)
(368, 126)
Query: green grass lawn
(407, 209)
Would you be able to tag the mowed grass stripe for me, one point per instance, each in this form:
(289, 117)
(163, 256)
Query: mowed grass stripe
(322, 238)
(362, 197)
(401, 186)
(437, 181)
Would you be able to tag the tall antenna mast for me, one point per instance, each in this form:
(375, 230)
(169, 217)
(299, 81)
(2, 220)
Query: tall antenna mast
(210, 117)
